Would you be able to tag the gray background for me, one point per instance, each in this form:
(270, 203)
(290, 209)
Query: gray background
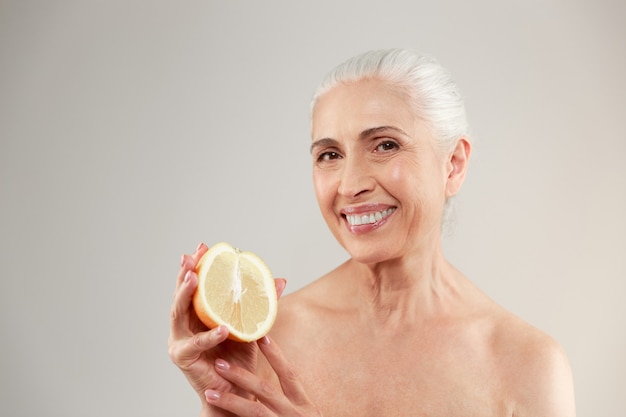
(132, 130)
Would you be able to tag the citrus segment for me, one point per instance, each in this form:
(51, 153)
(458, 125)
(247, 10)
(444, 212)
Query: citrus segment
(235, 289)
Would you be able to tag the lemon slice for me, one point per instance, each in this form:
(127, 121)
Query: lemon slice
(235, 289)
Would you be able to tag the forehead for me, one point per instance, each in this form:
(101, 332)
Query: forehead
(350, 108)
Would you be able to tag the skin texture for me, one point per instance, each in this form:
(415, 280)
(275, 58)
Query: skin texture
(396, 330)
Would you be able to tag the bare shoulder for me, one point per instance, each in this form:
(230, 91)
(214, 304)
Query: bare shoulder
(302, 311)
(535, 368)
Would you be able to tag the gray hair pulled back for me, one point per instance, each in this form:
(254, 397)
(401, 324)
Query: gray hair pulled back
(432, 92)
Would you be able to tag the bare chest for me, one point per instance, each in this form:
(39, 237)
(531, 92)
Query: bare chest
(403, 380)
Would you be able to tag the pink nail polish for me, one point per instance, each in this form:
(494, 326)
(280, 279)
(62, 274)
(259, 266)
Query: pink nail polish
(199, 246)
(222, 364)
(265, 340)
(211, 395)
(182, 260)
(187, 275)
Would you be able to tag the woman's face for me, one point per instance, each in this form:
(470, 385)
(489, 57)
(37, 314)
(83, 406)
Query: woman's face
(379, 179)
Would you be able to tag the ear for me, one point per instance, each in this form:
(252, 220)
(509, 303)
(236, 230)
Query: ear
(456, 166)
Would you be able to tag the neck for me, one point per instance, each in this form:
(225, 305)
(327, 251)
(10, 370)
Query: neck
(403, 290)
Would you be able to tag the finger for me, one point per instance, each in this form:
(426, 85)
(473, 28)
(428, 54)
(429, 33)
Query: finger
(200, 251)
(280, 283)
(179, 314)
(187, 263)
(287, 374)
(190, 261)
(187, 350)
(266, 391)
(237, 405)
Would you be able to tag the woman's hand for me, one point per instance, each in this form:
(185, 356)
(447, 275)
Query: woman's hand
(194, 348)
(288, 399)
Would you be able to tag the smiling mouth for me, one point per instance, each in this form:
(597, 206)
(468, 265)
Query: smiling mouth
(368, 218)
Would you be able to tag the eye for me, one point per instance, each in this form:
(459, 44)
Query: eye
(328, 156)
(386, 146)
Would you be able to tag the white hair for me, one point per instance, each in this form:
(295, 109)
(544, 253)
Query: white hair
(432, 92)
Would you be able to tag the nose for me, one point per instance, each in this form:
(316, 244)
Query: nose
(356, 178)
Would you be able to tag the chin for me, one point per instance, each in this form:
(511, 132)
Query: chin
(370, 254)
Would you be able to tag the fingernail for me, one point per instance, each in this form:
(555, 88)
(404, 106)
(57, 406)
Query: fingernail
(199, 246)
(187, 276)
(186, 261)
(265, 340)
(219, 331)
(222, 364)
(212, 395)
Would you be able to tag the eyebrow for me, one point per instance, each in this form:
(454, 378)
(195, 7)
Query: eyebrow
(363, 135)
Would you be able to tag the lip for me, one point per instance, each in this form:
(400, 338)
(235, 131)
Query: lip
(366, 209)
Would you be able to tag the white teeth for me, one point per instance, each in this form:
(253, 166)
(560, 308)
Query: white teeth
(357, 220)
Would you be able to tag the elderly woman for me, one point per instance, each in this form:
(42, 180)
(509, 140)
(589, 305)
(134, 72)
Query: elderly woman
(396, 330)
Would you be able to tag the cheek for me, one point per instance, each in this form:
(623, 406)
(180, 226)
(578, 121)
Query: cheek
(397, 173)
(322, 184)
(411, 180)
(403, 178)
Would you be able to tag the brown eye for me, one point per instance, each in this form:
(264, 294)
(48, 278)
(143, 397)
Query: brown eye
(327, 156)
(386, 146)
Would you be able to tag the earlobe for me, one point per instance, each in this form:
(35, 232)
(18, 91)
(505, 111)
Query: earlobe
(457, 165)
